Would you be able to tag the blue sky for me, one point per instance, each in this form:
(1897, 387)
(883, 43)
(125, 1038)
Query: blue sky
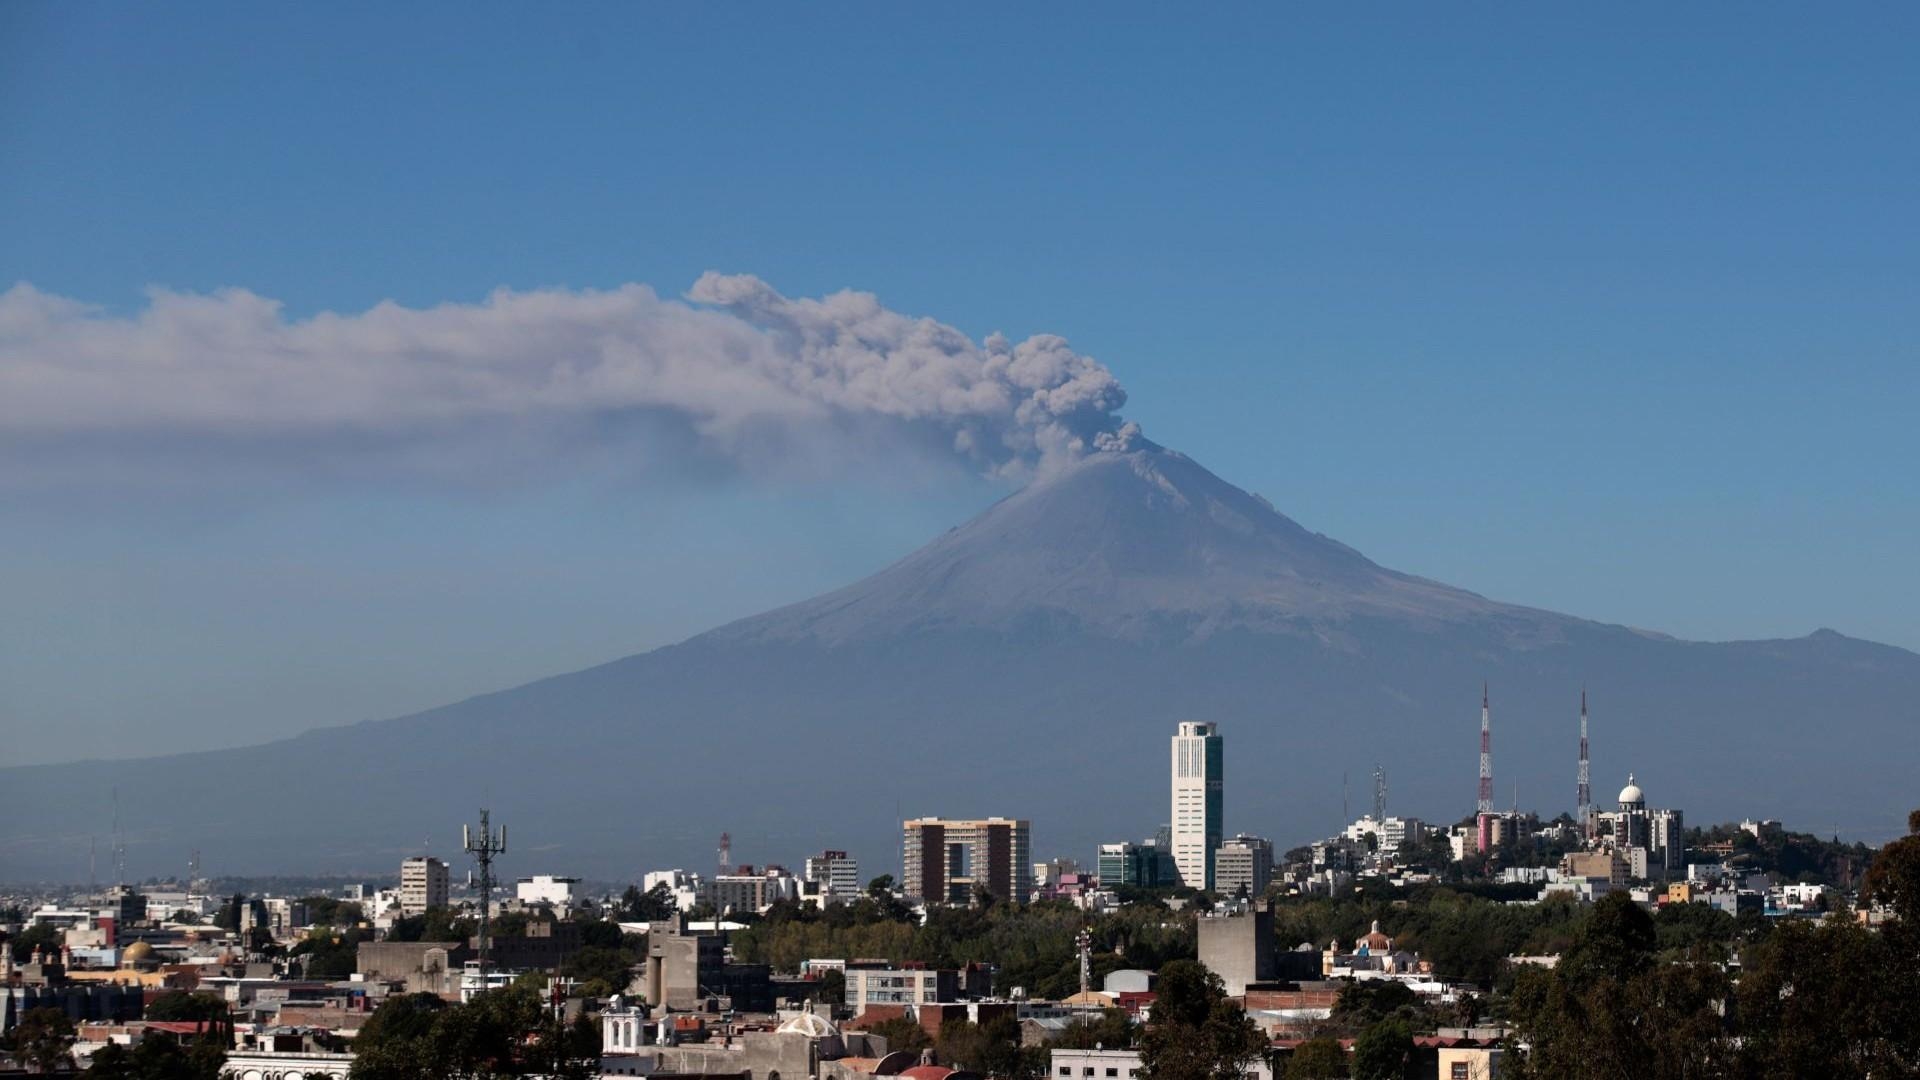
(1608, 313)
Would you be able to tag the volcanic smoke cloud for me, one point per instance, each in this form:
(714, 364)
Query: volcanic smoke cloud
(735, 372)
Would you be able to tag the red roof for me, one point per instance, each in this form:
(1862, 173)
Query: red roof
(176, 1027)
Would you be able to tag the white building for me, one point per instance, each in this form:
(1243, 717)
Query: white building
(556, 892)
(423, 884)
(835, 872)
(1198, 795)
(689, 890)
(1066, 1064)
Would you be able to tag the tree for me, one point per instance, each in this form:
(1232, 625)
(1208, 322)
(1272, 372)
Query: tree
(179, 1005)
(1318, 1059)
(1366, 1002)
(44, 1039)
(602, 972)
(1383, 1051)
(991, 1049)
(1114, 1031)
(229, 916)
(1196, 1033)
(158, 1059)
(1893, 878)
(1617, 943)
(903, 1034)
(500, 1033)
(652, 905)
(833, 988)
(33, 939)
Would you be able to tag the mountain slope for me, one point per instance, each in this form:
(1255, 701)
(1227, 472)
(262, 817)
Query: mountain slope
(1032, 662)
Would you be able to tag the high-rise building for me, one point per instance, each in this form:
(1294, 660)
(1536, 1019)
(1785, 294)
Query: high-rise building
(1244, 862)
(423, 884)
(1132, 864)
(835, 872)
(1197, 799)
(942, 862)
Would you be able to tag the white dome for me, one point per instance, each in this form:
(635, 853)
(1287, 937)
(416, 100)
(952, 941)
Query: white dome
(812, 1026)
(1632, 793)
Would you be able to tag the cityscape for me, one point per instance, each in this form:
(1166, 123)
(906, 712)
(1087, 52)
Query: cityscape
(732, 970)
(959, 542)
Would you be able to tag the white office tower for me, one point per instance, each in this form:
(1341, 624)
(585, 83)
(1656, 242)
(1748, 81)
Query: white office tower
(1196, 802)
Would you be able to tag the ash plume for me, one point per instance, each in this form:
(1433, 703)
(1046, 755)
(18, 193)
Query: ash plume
(733, 374)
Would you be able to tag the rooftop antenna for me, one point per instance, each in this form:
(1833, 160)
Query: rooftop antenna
(1486, 752)
(1346, 811)
(726, 854)
(1379, 793)
(193, 869)
(483, 848)
(119, 844)
(1084, 944)
(93, 878)
(1585, 800)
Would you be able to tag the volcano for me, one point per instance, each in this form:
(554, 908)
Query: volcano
(1032, 663)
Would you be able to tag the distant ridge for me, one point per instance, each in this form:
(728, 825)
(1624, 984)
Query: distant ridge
(1033, 661)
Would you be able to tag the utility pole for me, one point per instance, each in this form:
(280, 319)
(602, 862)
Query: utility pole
(483, 848)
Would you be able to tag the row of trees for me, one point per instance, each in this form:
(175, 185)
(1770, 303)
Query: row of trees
(43, 1041)
(1031, 946)
(500, 1033)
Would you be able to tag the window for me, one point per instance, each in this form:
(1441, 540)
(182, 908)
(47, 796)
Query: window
(1066, 1070)
(1088, 1071)
(1113, 1072)
(1460, 1071)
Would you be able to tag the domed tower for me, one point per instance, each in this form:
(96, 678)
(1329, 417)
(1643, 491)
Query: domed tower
(1631, 797)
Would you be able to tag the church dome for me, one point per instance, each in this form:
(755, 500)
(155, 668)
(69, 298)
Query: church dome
(138, 952)
(1631, 795)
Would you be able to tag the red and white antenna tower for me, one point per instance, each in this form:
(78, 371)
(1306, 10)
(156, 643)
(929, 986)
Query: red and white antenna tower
(726, 854)
(1486, 754)
(1586, 785)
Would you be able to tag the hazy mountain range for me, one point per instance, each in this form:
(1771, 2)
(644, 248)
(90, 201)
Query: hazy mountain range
(1033, 662)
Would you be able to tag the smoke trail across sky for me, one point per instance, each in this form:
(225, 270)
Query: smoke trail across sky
(734, 376)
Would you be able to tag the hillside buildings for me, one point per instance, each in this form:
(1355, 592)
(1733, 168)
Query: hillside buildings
(423, 884)
(943, 861)
(1197, 801)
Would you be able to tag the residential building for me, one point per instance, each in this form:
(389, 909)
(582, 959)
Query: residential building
(899, 986)
(747, 891)
(1198, 796)
(1243, 863)
(423, 884)
(944, 861)
(835, 872)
